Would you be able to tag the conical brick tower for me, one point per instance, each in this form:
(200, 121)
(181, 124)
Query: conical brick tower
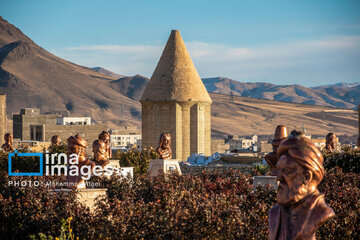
(176, 101)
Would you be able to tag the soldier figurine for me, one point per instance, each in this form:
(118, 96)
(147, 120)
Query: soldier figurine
(301, 208)
(280, 135)
(164, 149)
(77, 145)
(8, 145)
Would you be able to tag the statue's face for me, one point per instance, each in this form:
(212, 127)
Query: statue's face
(291, 175)
(330, 139)
(167, 141)
(56, 140)
(105, 138)
(8, 138)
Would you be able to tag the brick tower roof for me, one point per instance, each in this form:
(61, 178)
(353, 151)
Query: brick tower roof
(175, 77)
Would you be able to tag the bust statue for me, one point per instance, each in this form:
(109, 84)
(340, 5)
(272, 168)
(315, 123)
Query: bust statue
(301, 208)
(105, 137)
(164, 149)
(280, 135)
(8, 145)
(55, 140)
(330, 143)
(77, 145)
(100, 152)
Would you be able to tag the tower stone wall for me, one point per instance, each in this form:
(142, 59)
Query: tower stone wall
(3, 118)
(176, 101)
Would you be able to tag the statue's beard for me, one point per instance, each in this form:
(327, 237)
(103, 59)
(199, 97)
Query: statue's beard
(289, 196)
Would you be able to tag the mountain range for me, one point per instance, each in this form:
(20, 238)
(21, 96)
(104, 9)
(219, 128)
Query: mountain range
(33, 77)
(342, 95)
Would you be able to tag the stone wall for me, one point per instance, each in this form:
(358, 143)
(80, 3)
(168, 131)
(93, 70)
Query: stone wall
(188, 123)
(89, 132)
(219, 145)
(3, 118)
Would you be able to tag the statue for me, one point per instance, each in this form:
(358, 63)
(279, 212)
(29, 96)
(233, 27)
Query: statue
(8, 145)
(105, 137)
(55, 140)
(77, 145)
(101, 156)
(301, 208)
(280, 135)
(330, 143)
(164, 149)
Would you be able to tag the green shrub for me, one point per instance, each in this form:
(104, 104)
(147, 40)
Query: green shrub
(348, 159)
(140, 160)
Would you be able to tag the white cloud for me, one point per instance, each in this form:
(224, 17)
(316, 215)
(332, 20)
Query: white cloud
(311, 62)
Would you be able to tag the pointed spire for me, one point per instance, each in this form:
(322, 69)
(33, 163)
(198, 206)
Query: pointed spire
(175, 77)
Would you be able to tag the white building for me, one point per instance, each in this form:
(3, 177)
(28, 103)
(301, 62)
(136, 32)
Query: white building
(73, 121)
(242, 143)
(124, 140)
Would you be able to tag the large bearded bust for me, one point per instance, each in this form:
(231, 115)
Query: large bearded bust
(301, 209)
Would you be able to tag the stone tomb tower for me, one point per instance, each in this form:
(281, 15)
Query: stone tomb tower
(176, 101)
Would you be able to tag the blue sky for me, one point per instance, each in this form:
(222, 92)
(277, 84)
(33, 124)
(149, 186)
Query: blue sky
(282, 42)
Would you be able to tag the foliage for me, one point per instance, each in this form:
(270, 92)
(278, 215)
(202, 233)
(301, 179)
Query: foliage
(208, 205)
(348, 159)
(205, 206)
(261, 170)
(62, 148)
(140, 160)
(342, 193)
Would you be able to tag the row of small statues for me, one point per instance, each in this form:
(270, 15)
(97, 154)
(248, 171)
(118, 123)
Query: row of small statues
(101, 146)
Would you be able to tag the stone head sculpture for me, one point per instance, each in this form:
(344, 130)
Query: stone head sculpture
(55, 140)
(100, 152)
(280, 135)
(8, 145)
(164, 149)
(301, 209)
(330, 142)
(105, 137)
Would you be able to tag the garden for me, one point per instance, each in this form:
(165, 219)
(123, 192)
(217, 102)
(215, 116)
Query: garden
(204, 206)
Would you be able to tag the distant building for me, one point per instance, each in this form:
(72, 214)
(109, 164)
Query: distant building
(30, 125)
(241, 143)
(3, 118)
(219, 145)
(120, 138)
(319, 142)
(264, 147)
(73, 121)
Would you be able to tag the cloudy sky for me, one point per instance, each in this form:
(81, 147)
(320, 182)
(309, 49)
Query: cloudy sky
(282, 42)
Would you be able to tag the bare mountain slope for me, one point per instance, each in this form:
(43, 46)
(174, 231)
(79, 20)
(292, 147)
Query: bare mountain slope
(132, 87)
(330, 96)
(33, 77)
(247, 116)
(107, 72)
